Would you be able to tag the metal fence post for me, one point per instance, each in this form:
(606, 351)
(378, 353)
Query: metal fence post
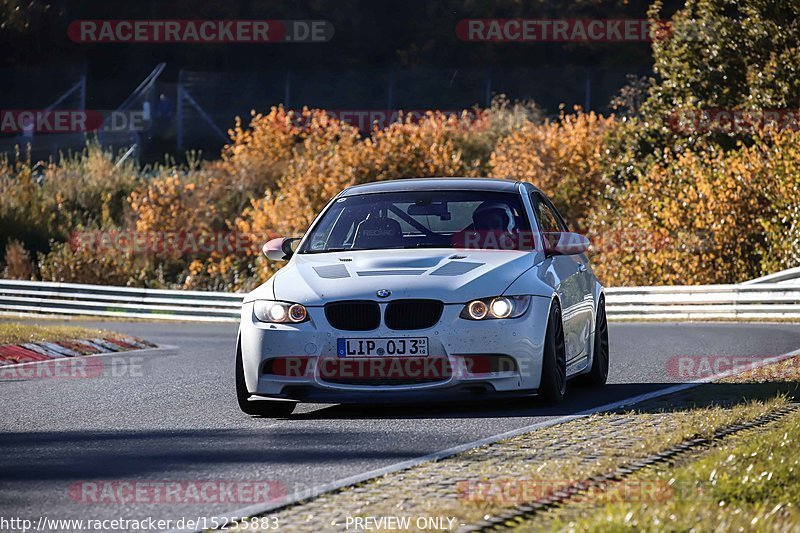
(179, 116)
(587, 102)
(488, 88)
(390, 92)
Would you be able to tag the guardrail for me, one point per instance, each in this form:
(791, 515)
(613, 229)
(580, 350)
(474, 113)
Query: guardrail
(48, 298)
(743, 301)
(702, 302)
(790, 276)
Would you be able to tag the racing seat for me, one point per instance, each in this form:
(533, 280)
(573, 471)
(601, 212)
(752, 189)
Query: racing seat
(378, 232)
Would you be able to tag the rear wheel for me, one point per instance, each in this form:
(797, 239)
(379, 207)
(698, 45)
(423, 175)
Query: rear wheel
(265, 408)
(553, 386)
(598, 375)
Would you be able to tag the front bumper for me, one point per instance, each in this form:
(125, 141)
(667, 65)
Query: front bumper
(520, 340)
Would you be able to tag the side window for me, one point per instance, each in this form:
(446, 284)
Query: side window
(547, 217)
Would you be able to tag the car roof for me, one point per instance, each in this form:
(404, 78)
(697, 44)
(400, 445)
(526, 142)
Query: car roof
(433, 184)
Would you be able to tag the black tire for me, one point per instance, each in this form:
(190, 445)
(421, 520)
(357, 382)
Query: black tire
(553, 387)
(598, 375)
(263, 408)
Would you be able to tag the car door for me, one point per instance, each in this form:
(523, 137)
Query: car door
(574, 290)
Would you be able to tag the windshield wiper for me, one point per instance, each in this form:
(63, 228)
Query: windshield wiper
(431, 245)
(326, 250)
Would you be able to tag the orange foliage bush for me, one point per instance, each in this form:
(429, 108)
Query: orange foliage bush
(565, 158)
(64, 263)
(333, 156)
(330, 157)
(703, 217)
(18, 262)
(206, 198)
(170, 203)
(258, 154)
(194, 209)
(682, 217)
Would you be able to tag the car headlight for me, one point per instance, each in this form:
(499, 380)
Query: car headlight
(494, 308)
(279, 312)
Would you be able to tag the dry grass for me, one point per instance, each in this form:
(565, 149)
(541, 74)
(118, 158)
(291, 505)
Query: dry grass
(12, 333)
(751, 482)
(520, 465)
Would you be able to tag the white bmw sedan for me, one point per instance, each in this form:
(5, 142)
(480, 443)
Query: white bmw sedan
(420, 290)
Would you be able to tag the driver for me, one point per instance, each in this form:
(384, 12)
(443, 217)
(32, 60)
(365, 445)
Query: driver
(493, 216)
(493, 227)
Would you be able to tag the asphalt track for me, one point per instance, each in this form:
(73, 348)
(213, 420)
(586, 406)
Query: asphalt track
(171, 415)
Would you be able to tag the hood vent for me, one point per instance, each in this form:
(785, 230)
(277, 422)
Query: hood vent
(455, 268)
(332, 271)
(394, 272)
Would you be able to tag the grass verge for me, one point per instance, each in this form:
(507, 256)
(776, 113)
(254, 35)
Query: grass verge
(13, 333)
(493, 479)
(650, 431)
(748, 482)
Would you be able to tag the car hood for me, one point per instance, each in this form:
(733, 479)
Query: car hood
(452, 276)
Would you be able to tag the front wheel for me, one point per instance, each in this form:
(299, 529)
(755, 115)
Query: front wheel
(264, 408)
(553, 386)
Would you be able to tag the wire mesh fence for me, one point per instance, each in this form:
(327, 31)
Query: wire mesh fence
(195, 111)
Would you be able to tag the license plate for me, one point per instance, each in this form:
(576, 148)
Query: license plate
(393, 347)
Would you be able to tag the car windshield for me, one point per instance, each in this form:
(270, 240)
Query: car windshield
(420, 219)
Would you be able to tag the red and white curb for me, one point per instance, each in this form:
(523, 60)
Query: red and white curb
(31, 352)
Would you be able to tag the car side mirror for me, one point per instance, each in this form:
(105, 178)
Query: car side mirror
(280, 249)
(564, 243)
